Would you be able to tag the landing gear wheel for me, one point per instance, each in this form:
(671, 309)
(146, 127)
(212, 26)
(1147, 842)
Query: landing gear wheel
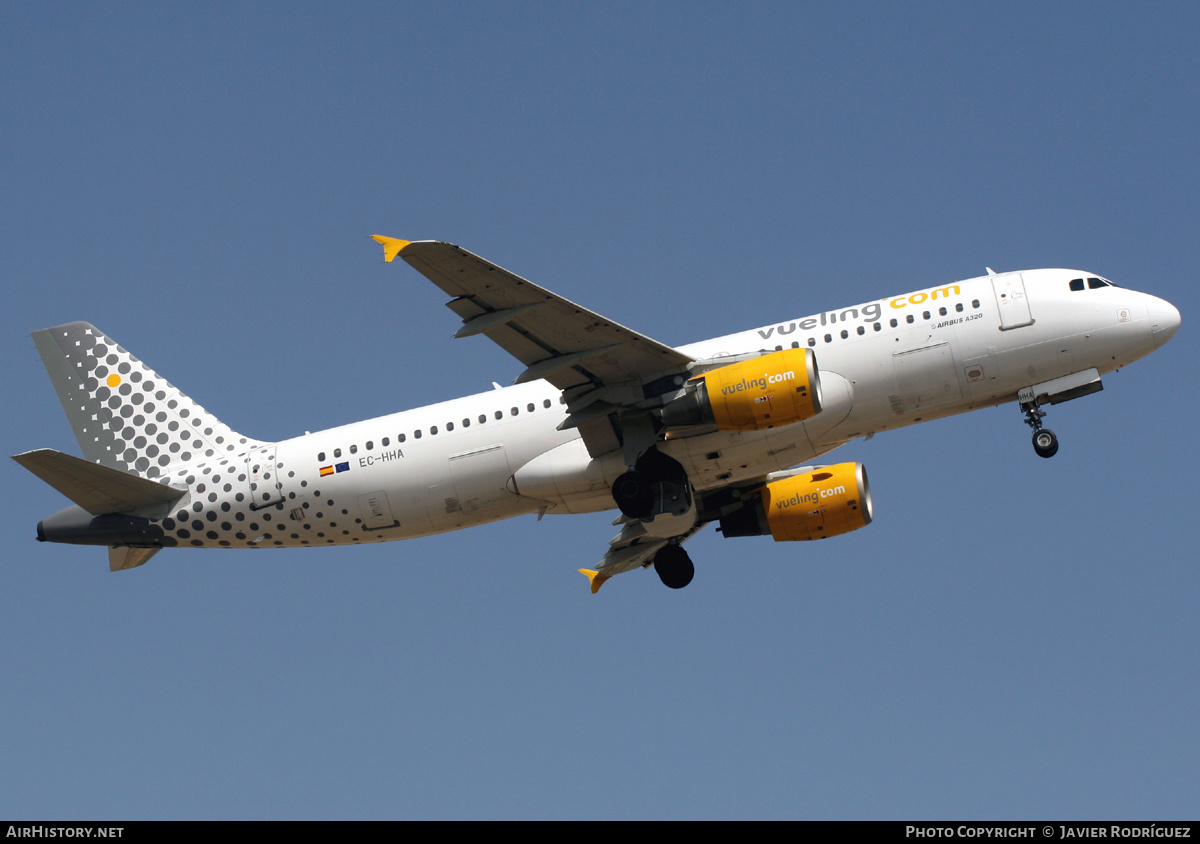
(674, 567)
(634, 495)
(1045, 443)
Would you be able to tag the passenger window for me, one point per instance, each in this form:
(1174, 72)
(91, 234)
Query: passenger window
(321, 457)
(370, 445)
(354, 449)
(861, 330)
(812, 341)
(385, 442)
(1077, 284)
(942, 311)
(845, 334)
(466, 423)
(482, 418)
(499, 414)
(909, 319)
(449, 426)
(878, 327)
(529, 407)
(337, 452)
(925, 315)
(893, 323)
(433, 430)
(400, 438)
(417, 434)
(975, 303)
(958, 307)
(795, 344)
(545, 402)
(828, 338)
(514, 411)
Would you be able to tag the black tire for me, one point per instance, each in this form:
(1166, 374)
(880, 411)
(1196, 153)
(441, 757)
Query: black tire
(1045, 443)
(634, 495)
(674, 567)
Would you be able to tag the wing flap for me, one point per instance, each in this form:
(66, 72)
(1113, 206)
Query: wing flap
(634, 547)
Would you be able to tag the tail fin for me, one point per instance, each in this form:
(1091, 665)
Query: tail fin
(124, 415)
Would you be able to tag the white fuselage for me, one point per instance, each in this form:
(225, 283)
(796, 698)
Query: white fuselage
(883, 365)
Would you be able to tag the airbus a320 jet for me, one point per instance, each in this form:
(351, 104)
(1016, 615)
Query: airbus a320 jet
(729, 430)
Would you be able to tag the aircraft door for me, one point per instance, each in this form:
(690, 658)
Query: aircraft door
(1012, 301)
(262, 472)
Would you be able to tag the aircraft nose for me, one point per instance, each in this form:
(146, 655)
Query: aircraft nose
(1164, 320)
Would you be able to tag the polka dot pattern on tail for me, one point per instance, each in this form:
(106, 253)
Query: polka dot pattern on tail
(124, 414)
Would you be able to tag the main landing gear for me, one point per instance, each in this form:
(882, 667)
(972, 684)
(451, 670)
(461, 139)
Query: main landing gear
(1045, 443)
(674, 566)
(656, 485)
(634, 494)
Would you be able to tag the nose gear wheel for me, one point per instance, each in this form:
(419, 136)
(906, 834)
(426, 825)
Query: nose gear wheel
(1045, 442)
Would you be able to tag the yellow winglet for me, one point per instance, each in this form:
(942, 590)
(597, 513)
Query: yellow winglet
(595, 578)
(392, 246)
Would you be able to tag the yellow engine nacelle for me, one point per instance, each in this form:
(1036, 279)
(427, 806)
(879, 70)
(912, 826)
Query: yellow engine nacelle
(776, 389)
(812, 505)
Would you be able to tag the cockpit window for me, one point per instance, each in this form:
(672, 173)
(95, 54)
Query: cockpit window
(1093, 283)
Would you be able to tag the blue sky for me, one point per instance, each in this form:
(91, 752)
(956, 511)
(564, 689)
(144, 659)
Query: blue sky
(1011, 638)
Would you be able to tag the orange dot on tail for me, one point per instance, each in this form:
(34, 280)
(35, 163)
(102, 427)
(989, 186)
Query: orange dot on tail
(113, 380)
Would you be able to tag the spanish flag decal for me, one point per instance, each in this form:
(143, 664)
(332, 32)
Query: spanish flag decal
(326, 470)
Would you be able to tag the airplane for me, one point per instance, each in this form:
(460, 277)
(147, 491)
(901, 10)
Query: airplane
(728, 430)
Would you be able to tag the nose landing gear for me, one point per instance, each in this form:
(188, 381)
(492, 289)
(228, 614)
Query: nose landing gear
(1045, 443)
(1059, 390)
(658, 484)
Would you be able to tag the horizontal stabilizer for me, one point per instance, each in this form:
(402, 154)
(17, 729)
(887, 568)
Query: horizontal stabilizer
(121, 557)
(96, 488)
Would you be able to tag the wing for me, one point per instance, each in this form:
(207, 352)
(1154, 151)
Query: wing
(601, 367)
(610, 375)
